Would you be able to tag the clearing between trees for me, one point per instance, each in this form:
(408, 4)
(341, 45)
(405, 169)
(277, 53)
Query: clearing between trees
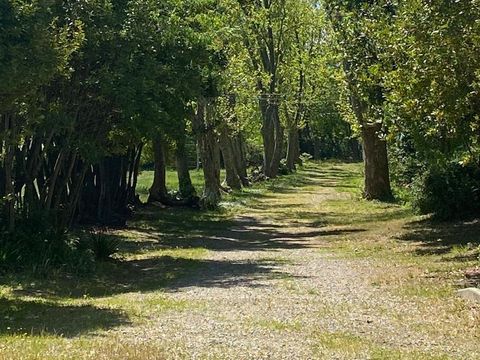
(294, 268)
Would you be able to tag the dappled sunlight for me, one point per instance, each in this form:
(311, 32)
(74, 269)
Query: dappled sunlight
(307, 239)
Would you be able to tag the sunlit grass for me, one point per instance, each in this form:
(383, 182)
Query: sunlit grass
(145, 181)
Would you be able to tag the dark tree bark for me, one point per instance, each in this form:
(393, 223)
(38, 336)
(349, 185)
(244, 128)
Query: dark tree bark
(131, 196)
(266, 53)
(198, 163)
(185, 186)
(293, 121)
(238, 145)
(8, 168)
(226, 145)
(158, 191)
(377, 176)
(272, 135)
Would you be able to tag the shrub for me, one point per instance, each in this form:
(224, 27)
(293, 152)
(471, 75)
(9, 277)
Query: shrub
(448, 192)
(103, 245)
(42, 252)
(39, 247)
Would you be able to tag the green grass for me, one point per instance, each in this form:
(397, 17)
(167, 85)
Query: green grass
(344, 345)
(145, 181)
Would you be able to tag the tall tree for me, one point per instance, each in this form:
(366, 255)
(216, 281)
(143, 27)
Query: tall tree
(355, 24)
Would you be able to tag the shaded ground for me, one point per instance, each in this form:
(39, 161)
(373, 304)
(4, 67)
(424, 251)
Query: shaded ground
(297, 268)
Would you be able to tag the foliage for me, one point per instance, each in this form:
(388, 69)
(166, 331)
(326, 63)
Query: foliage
(450, 192)
(433, 104)
(39, 248)
(102, 245)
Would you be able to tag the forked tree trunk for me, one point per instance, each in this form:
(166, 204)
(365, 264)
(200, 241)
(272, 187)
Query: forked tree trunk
(377, 176)
(158, 191)
(185, 186)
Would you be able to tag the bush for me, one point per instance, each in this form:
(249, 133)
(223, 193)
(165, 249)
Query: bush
(40, 253)
(447, 193)
(39, 247)
(103, 245)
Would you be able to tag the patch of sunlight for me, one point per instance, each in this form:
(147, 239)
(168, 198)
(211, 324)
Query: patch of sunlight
(186, 253)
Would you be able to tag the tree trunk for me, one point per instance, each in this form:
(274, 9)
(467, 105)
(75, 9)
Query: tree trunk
(185, 186)
(293, 150)
(279, 144)
(199, 161)
(74, 198)
(158, 191)
(211, 171)
(131, 198)
(232, 178)
(268, 136)
(52, 182)
(209, 153)
(377, 179)
(240, 160)
(66, 178)
(272, 134)
(10, 128)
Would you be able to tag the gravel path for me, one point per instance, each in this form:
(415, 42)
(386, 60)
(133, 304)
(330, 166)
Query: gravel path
(272, 293)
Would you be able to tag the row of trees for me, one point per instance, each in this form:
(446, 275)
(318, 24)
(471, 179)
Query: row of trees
(86, 85)
(411, 80)
(83, 85)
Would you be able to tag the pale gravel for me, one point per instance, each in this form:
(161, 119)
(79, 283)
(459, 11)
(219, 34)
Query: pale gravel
(235, 300)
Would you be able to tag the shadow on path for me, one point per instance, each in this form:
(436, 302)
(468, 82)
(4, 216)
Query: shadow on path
(177, 229)
(437, 238)
(19, 317)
